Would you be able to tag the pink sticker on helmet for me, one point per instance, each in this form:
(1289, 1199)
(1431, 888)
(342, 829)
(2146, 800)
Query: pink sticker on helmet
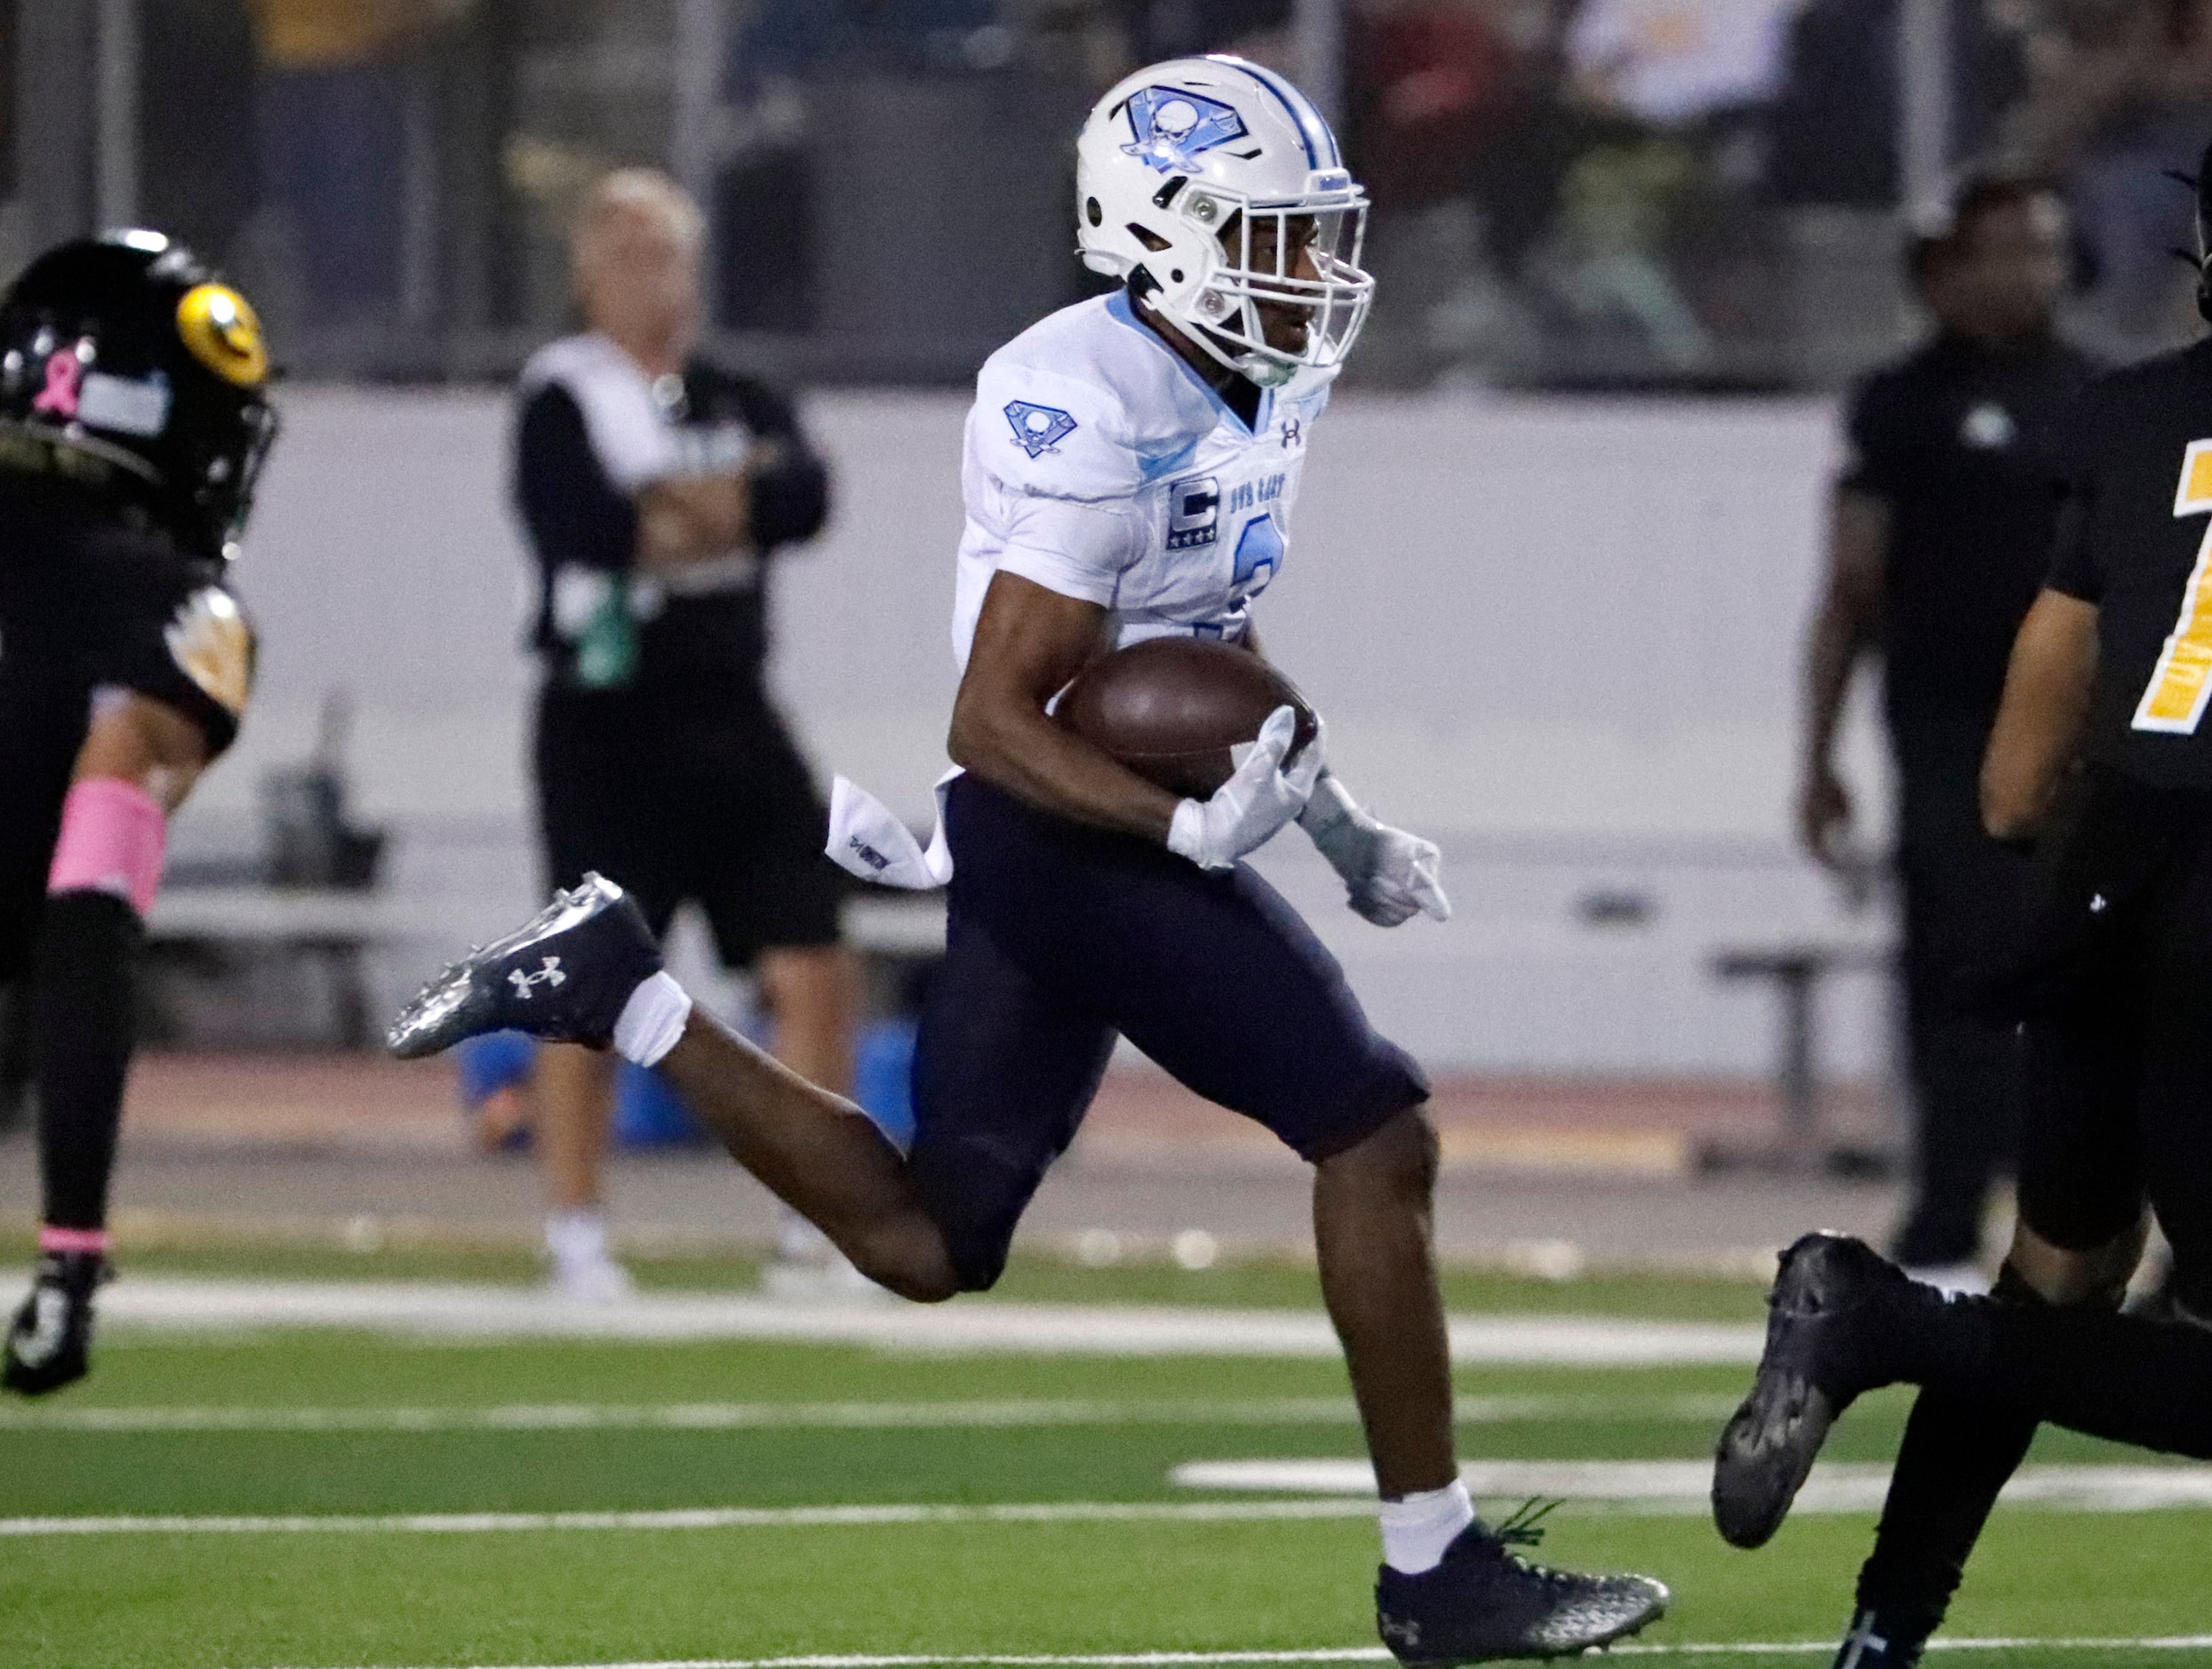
(64, 372)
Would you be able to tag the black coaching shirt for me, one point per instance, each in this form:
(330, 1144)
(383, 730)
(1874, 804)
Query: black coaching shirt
(593, 432)
(1960, 441)
(2136, 540)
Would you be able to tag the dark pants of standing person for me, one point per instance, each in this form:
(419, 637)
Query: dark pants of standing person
(1963, 897)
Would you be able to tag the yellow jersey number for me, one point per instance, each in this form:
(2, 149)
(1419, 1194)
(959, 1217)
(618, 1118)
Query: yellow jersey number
(2174, 700)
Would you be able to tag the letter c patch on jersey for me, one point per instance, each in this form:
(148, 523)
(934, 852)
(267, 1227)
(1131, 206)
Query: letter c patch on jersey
(1038, 429)
(1193, 513)
(213, 646)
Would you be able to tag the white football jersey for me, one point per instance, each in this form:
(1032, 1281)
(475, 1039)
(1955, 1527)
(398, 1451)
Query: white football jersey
(1100, 465)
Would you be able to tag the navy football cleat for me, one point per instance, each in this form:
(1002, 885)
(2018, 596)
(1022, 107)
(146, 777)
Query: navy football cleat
(1874, 1643)
(1485, 1602)
(1833, 1299)
(50, 1340)
(562, 976)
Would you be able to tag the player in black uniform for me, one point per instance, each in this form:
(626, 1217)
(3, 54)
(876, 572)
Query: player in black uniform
(2113, 665)
(1940, 533)
(655, 489)
(133, 425)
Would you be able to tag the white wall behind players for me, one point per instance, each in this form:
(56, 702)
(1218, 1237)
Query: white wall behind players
(1559, 637)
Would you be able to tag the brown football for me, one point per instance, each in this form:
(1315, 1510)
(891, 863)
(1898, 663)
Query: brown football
(1170, 708)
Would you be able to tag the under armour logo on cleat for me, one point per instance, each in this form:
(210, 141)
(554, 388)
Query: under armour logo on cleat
(549, 974)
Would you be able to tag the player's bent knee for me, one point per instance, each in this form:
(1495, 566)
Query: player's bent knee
(908, 1261)
(1399, 1157)
(2040, 1271)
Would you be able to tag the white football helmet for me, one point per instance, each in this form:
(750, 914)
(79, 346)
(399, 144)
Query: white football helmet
(1217, 186)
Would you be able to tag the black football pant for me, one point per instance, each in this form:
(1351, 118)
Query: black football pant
(2116, 981)
(1962, 904)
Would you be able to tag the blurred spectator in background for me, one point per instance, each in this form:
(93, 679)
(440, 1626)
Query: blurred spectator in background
(1680, 80)
(1942, 528)
(1833, 132)
(332, 118)
(2120, 93)
(195, 115)
(655, 487)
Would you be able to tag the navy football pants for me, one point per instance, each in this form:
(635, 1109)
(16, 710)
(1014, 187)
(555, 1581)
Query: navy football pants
(1059, 937)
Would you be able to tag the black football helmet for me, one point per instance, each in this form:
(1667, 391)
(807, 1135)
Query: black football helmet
(129, 368)
(2204, 236)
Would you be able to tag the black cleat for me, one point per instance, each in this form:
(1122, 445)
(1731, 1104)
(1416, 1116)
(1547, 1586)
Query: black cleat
(562, 976)
(1831, 1297)
(1485, 1602)
(1873, 1643)
(50, 1340)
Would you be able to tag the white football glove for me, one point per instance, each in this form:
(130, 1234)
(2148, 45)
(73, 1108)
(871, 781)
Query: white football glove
(1247, 810)
(1390, 875)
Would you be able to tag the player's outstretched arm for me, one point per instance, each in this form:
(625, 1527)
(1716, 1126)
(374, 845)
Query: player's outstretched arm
(2048, 683)
(1029, 642)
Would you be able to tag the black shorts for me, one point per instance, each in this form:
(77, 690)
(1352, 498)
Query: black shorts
(88, 602)
(1059, 938)
(720, 811)
(2116, 991)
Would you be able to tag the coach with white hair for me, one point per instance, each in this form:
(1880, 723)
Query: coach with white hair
(655, 487)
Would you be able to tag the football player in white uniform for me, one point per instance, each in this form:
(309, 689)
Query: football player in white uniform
(1130, 470)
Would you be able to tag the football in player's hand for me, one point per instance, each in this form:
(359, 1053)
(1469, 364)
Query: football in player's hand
(1170, 708)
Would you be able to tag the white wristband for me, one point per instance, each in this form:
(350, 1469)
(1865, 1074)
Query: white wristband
(652, 1020)
(1187, 832)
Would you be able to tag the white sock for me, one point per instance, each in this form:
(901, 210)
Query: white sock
(1417, 1528)
(652, 1020)
(577, 1236)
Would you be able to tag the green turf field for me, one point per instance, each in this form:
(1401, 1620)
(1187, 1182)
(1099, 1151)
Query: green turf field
(180, 1433)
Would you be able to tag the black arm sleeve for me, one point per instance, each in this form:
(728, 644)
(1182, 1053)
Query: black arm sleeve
(791, 496)
(575, 516)
(2074, 568)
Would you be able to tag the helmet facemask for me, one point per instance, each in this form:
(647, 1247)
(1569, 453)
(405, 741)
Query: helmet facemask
(1286, 292)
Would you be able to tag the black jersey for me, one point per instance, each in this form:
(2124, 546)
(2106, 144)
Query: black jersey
(93, 594)
(2135, 538)
(593, 432)
(1960, 442)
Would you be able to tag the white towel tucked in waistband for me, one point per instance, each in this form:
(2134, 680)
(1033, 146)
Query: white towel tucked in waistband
(868, 840)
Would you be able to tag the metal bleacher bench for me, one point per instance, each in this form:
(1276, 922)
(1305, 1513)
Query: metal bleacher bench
(1794, 970)
(338, 926)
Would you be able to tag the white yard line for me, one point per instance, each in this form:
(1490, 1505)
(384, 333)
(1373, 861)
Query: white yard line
(1668, 1487)
(948, 1416)
(1656, 1486)
(1347, 1654)
(691, 1519)
(428, 1310)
